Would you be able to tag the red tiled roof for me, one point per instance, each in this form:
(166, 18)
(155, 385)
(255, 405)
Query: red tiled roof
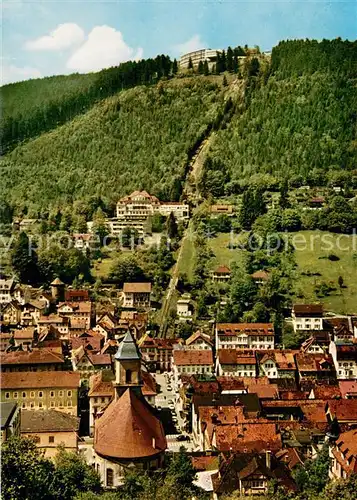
(35, 357)
(305, 309)
(193, 357)
(84, 306)
(45, 379)
(344, 409)
(222, 270)
(348, 387)
(314, 362)
(129, 429)
(99, 359)
(347, 444)
(137, 288)
(53, 318)
(247, 328)
(327, 391)
(149, 384)
(75, 294)
(263, 275)
(198, 335)
(235, 356)
(25, 333)
(247, 437)
(48, 421)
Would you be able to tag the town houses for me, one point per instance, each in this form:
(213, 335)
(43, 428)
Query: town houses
(100, 378)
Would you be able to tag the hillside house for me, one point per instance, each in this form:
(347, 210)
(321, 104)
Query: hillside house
(82, 241)
(260, 277)
(307, 317)
(221, 274)
(245, 336)
(222, 209)
(137, 295)
(184, 308)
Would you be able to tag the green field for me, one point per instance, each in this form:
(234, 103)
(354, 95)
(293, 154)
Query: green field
(186, 263)
(311, 256)
(224, 255)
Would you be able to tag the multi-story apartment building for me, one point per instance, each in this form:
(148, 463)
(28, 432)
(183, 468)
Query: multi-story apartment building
(41, 390)
(307, 317)
(244, 336)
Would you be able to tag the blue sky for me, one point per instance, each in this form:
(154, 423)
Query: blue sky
(42, 38)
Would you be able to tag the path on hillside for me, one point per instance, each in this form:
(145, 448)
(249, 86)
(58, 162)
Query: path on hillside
(190, 193)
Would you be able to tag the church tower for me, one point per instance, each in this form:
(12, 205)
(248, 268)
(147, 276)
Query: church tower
(127, 367)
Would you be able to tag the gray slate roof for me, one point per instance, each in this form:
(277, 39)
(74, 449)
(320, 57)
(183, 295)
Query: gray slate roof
(127, 349)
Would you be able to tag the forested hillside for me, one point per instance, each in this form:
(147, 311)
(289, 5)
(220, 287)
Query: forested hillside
(299, 119)
(36, 106)
(137, 139)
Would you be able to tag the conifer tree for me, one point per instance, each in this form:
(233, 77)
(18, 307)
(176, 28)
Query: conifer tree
(24, 260)
(171, 226)
(200, 68)
(229, 59)
(190, 64)
(174, 67)
(205, 68)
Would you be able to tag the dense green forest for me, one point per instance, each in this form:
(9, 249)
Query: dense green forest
(300, 117)
(296, 119)
(35, 106)
(137, 139)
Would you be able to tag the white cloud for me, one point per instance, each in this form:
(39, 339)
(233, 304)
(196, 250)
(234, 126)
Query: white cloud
(11, 73)
(64, 36)
(192, 44)
(103, 48)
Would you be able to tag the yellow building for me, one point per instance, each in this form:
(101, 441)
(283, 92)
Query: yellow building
(49, 429)
(42, 390)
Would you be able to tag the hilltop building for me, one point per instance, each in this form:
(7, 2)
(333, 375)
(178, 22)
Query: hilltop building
(197, 56)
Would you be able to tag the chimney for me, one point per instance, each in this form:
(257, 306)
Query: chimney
(268, 459)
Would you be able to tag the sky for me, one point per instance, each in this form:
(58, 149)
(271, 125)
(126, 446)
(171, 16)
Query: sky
(50, 37)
